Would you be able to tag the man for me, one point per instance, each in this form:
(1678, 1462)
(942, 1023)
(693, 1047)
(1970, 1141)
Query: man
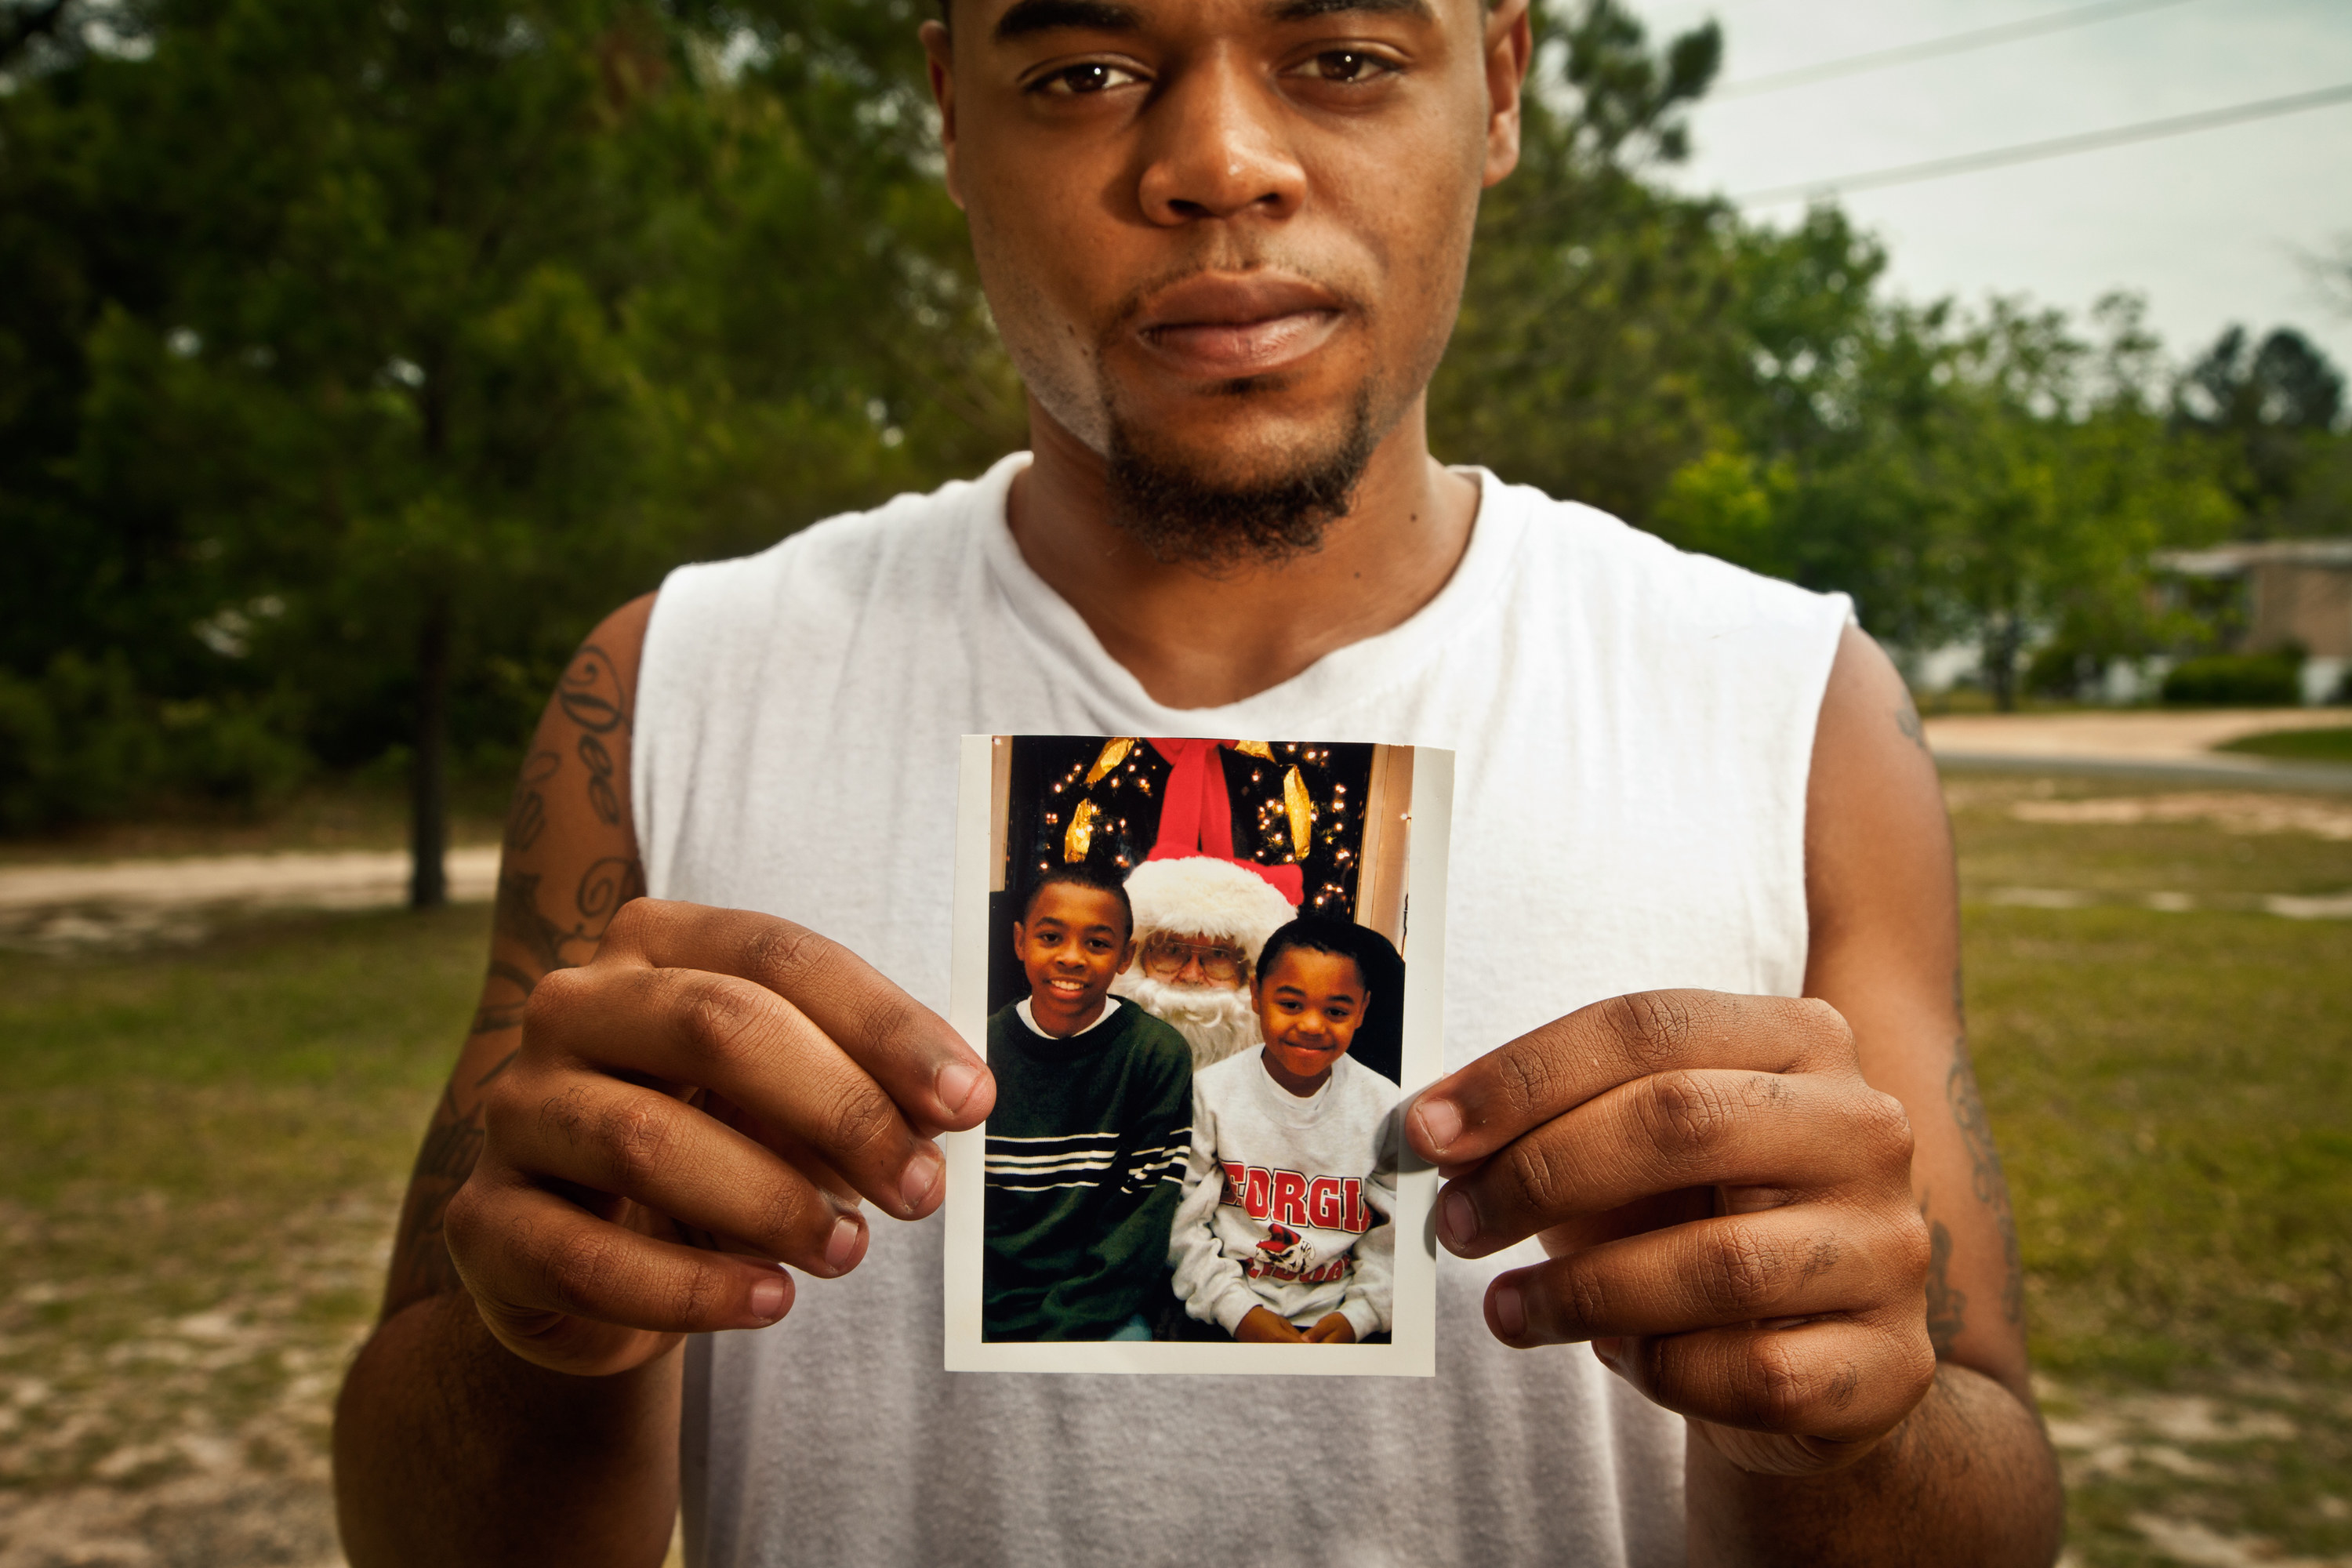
(1200, 921)
(1224, 242)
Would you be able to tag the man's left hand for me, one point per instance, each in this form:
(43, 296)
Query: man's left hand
(1727, 1207)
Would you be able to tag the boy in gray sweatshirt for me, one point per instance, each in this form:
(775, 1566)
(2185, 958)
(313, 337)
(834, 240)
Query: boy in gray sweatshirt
(1283, 1233)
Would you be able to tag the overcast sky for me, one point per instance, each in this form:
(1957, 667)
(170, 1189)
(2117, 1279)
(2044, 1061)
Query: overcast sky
(2211, 227)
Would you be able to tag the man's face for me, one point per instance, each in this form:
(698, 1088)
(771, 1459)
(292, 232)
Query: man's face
(1200, 962)
(1071, 943)
(1226, 236)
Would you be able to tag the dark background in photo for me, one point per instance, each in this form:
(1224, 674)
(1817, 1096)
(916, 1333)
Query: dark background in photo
(1052, 777)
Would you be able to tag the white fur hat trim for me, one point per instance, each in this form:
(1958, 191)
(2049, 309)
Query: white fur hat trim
(1201, 895)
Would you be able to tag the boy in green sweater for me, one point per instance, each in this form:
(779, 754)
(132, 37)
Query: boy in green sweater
(1093, 1122)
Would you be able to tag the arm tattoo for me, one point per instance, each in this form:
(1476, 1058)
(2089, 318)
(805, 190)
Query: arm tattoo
(536, 943)
(1907, 719)
(1992, 1189)
(527, 818)
(590, 692)
(602, 797)
(1947, 1308)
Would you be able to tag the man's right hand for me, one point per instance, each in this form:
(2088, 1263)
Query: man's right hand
(704, 1101)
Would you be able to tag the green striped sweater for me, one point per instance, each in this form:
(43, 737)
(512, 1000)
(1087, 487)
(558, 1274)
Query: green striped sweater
(1086, 1159)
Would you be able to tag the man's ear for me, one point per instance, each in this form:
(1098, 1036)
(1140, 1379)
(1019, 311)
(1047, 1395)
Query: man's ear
(1020, 941)
(1510, 48)
(1127, 957)
(939, 49)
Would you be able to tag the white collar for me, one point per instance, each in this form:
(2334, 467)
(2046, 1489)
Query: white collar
(1020, 1010)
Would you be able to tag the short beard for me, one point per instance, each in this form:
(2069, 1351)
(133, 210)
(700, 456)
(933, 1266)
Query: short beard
(1217, 1022)
(1184, 516)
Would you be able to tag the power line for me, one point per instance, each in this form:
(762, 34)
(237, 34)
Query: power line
(2060, 147)
(1950, 44)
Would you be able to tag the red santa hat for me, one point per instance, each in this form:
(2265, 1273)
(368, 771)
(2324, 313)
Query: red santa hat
(1192, 884)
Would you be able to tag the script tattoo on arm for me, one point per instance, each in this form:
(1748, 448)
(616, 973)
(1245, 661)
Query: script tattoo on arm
(1948, 1305)
(1989, 1186)
(536, 930)
(1907, 719)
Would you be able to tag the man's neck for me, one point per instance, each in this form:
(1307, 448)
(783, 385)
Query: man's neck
(1194, 640)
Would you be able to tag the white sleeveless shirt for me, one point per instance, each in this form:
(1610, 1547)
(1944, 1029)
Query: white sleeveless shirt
(1633, 729)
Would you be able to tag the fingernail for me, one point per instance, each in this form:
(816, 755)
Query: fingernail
(1441, 1123)
(1457, 1216)
(955, 1083)
(1510, 1311)
(921, 1176)
(767, 1298)
(842, 1245)
(1609, 1348)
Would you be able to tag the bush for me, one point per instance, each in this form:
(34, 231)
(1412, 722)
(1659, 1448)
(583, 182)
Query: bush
(2062, 670)
(2237, 681)
(80, 743)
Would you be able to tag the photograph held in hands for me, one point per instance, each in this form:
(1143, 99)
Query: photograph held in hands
(1187, 962)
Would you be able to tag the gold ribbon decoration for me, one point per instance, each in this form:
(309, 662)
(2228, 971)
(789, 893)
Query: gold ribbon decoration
(1112, 755)
(1301, 808)
(1081, 835)
(1257, 749)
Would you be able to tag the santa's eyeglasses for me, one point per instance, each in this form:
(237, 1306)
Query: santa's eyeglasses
(1165, 958)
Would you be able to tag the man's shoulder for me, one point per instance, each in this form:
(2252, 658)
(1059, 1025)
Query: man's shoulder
(1568, 545)
(850, 552)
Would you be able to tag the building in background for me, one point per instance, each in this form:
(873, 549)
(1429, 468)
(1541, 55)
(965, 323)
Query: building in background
(2281, 596)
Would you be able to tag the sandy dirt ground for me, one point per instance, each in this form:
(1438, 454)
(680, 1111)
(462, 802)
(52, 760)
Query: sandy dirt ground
(138, 903)
(2130, 735)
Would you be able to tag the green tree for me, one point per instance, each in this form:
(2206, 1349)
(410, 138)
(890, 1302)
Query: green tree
(2274, 408)
(467, 320)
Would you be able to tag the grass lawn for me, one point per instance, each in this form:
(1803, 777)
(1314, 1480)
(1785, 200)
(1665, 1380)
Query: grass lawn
(200, 1158)
(2299, 745)
(200, 1153)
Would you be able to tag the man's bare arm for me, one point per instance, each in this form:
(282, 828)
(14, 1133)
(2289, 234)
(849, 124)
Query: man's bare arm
(663, 1112)
(1969, 1477)
(447, 1447)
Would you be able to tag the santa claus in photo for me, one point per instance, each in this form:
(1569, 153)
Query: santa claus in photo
(1200, 923)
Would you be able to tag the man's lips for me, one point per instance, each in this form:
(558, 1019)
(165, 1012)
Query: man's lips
(1235, 325)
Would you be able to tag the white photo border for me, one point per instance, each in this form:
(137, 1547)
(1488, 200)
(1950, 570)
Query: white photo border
(1413, 1350)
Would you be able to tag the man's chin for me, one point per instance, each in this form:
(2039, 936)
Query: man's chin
(1226, 492)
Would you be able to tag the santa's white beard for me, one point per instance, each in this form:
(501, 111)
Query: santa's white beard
(1216, 1021)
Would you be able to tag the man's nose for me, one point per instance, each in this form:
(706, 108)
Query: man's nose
(1193, 973)
(1216, 148)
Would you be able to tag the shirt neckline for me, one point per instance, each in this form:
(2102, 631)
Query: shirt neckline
(1296, 1109)
(1022, 1011)
(1346, 677)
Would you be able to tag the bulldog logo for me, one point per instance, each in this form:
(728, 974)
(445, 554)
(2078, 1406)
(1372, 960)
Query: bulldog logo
(1283, 1252)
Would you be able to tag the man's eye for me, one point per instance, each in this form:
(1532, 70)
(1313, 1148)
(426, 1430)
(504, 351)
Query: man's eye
(1079, 82)
(1348, 65)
